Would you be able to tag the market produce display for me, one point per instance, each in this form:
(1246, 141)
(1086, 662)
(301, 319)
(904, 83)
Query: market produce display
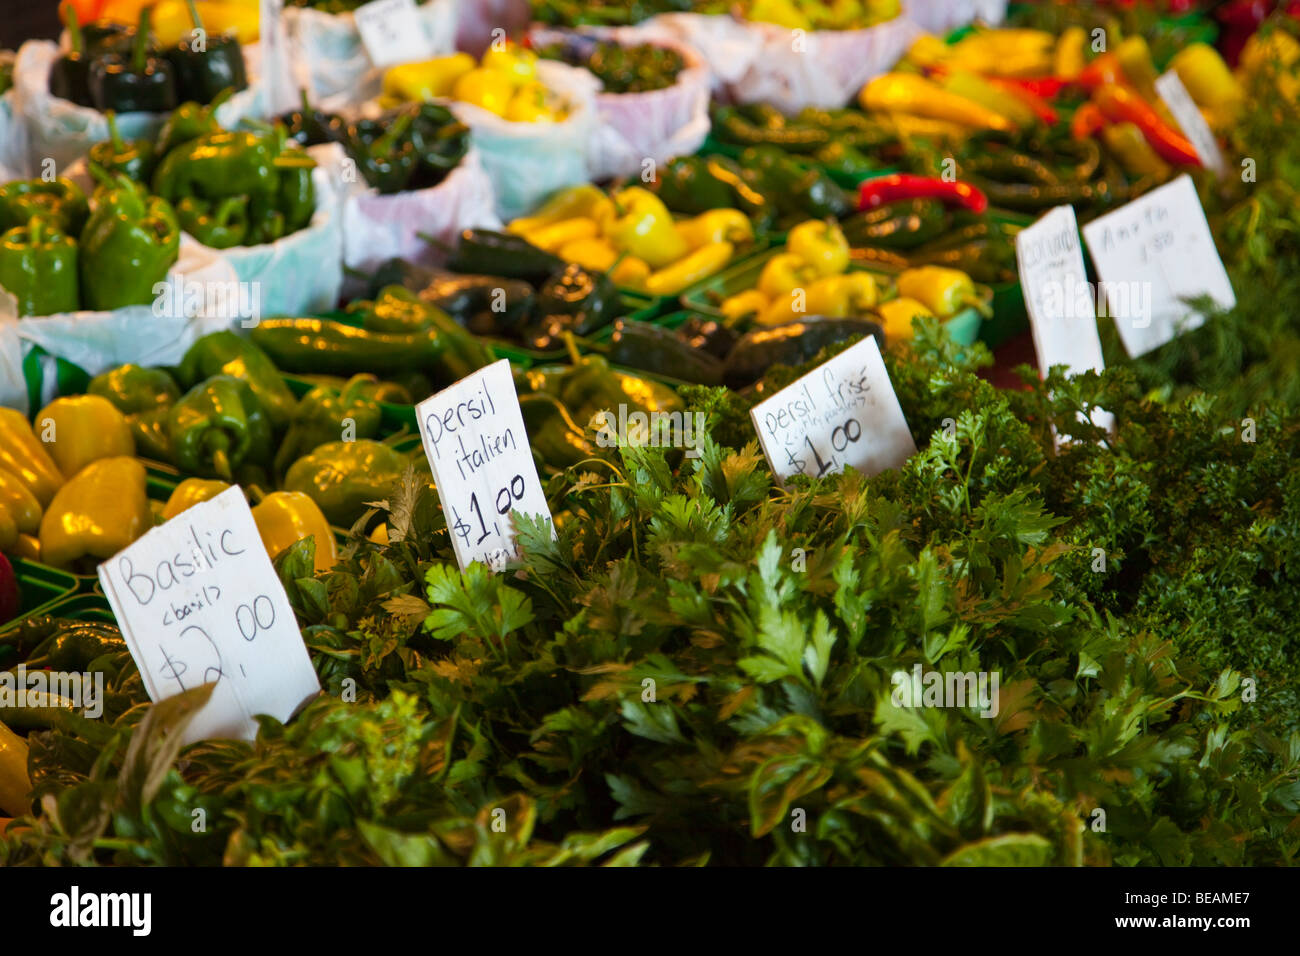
(704, 644)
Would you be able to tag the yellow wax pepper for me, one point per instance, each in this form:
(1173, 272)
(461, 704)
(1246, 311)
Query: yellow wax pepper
(716, 225)
(749, 302)
(573, 202)
(191, 492)
(842, 296)
(909, 93)
(286, 517)
(1207, 78)
(896, 317)
(24, 455)
(595, 255)
(945, 292)
(170, 19)
(1069, 57)
(18, 509)
(783, 272)
(516, 63)
(82, 429)
(557, 234)
(630, 272)
(690, 269)
(642, 226)
(97, 513)
(486, 89)
(426, 79)
(15, 785)
(821, 245)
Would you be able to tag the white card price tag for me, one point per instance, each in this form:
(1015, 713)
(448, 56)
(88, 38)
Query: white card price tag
(474, 438)
(392, 32)
(842, 413)
(1058, 296)
(1151, 254)
(199, 602)
(1171, 89)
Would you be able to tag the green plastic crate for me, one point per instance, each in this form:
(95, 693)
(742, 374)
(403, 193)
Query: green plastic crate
(39, 588)
(964, 327)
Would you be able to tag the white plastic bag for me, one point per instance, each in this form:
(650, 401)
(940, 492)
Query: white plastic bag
(13, 140)
(188, 307)
(940, 16)
(526, 162)
(377, 228)
(303, 272)
(327, 59)
(63, 131)
(766, 63)
(657, 125)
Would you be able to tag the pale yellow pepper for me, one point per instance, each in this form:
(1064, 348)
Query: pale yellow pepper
(695, 267)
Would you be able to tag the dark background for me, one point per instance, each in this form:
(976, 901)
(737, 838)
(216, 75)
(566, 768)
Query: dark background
(27, 20)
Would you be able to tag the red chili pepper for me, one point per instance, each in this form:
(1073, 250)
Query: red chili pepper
(1103, 71)
(1087, 121)
(1120, 104)
(1045, 86)
(898, 186)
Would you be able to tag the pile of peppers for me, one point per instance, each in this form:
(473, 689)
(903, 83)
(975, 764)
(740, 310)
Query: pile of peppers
(637, 68)
(415, 146)
(112, 66)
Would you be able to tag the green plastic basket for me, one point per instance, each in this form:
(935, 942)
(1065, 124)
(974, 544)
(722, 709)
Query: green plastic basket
(39, 589)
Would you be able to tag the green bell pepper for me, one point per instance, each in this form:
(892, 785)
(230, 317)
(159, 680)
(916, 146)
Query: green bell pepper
(327, 414)
(133, 82)
(70, 73)
(204, 69)
(387, 160)
(217, 224)
(38, 264)
(61, 201)
(145, 396)
(129, 244)
(135, 159)
(188, 122)
(575, 300)
(226, 353)
(217, 426)
(342, 476)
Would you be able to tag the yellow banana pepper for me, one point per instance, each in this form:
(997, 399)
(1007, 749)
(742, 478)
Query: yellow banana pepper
(24, 455)
(782, 273)
(687, 271)
(842, 296)
(516, 63)
(20, 504)
(171, 20)
(15, 785)
(896, 317)
(486, 89)
(945, 292)
(426, 79)
(1135, 60)
(630, 272)
(1068, 59)
(557, 234)
(286, 517)
(191, 492)
(749, 302)
(1207, 78)
(585, 200)
(82, 429)
(820, 244)
(595, 255)
(97, 513)
(907, 93)
(715, 226)
(641, 225)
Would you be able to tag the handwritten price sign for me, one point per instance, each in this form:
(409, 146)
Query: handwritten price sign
(198, 602)
(474, 438)
(392, 32)
(1152, 254)
(843, 413)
